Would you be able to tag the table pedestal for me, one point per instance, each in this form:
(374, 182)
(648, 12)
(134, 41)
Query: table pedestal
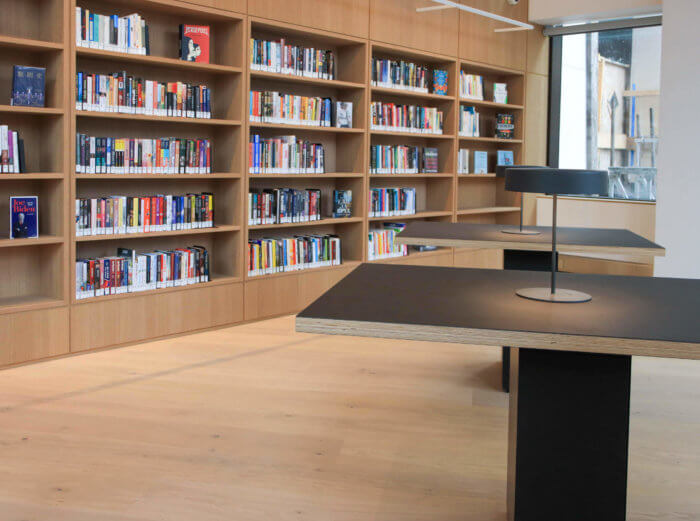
(568, 436)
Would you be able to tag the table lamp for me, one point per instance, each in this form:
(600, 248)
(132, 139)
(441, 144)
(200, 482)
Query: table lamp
(501, 173)
(555, 181)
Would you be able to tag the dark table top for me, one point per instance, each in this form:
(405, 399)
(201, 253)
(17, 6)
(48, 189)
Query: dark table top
(470, 235)
(628, 315)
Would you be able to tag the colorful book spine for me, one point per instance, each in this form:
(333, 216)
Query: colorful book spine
(277, 107)
(390, 202)
(120, 214)
(124, 94)
(130, 271)
(276, 255)
(468, 122)
(284, 155)
(402, 159)
(402, 75)
(471, 86)
(11, 151)
(283, 205)
(405, 118)
(167, 155)
(382, 243)
(126, 34)
(280, 57)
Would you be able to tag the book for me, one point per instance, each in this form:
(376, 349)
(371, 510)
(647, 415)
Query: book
(125, 34)
(481, 162)
(283, 205)
(405, 118)
(343, 114)
(402, 159)
(500, 92)
(430, 160)
(24, 217)
(276, 255)
(389, 202)
(469, 122)
(194, 43)
(440, 82)
(504, 126)
(342, 203)
(295, 60)
(11, 151)
(381, 242)
(463, 161)
(284, 155)
(290, 109)
(471, 86)
(402, 75)
(504, 157)
(28, 85)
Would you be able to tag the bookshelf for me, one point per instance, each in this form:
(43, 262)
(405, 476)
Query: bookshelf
(39, 297)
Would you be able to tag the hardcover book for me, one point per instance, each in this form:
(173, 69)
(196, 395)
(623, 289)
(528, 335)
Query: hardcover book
(342, 203)
(24, 217)
(504, 126)
(430, 160)
(505, 158)
(28, 84)
(343, 114)
(194, 43)
(481, 162)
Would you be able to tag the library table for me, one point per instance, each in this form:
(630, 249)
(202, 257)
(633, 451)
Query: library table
(570, 373)
(527, 252)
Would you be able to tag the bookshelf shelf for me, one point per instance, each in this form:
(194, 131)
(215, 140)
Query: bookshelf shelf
(417, 215)
(413, 255)
(34, 176)
(306, 128)
(160, 119)
(408, 176)
(170, 233)
(158, 61)
(23, 303)
(321, 222)
(411, 94)
(490, 209)
(491, 140)
(41, 240)
(331, 175)
(488, 69)
(216, 280)
(34, 111)
(345, 264)
(475, 176)
(491, 104)
(156, 177)
(337, 84)
(410, 134)
(28, 44)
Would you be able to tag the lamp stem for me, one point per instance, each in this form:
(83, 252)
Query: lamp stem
(554, 243)
(521, 212)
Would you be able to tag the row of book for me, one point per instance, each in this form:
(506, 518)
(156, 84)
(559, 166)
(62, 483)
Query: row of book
(11, 151)
(382, 245)
(121, 214)
(481, 160)
(389, 202)
(118, 92)
(468, 121)
(280, 57)
(130, 271)
(284, 154)
(471, 86)
(405, 118)
(277, 107)
(283, 205)
(276, 255)
(166, 155)
(402, 159)
(399, 74)
(127, 34)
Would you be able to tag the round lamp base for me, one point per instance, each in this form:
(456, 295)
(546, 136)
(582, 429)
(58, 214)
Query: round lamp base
(518, 231)
(562, 295)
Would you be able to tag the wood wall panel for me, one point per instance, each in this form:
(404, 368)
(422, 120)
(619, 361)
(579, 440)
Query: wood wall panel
(440, 258)
(342, 16)
(238, 6)
(535, 147)
(537, 51)
(478, 41)
(113, 322)
(33, 335)
(485, 259)
(396, 22)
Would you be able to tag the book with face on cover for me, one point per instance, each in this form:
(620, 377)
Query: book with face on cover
(343, 114)
(194, 43)
(24, 217)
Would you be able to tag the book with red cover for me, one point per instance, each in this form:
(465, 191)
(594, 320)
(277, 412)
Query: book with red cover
(194, 43)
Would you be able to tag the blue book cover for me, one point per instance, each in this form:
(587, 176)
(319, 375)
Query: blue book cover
(28, 86)
(505, 157)
(440, 82)
(24, 217)
(481, 162)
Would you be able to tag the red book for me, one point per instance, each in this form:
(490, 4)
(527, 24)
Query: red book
(194, 43)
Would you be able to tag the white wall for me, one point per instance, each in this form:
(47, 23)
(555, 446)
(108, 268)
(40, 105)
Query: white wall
(678, 191)
(547, 12)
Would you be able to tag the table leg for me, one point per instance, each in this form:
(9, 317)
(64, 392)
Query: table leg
(568, 436)
(521, 260)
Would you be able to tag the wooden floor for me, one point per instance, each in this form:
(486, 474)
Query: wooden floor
(257, 422)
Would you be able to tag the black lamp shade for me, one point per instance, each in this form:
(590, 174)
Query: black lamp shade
(557, 181)
(501, 169)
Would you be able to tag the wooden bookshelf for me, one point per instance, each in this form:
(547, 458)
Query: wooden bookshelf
(42, 287)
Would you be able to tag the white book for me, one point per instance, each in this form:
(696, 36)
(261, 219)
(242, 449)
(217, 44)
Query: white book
(4, 147)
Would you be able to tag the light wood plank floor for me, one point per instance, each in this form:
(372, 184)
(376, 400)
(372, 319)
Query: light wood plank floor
(257, 422)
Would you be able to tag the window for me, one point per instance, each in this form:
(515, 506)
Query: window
(607, 112)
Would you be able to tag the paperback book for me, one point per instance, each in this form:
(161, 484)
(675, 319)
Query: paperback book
(481, 162)
(343, 114)
(24, 217)
(342, 203)
(504, 158)
(194, 43)
(11, 151)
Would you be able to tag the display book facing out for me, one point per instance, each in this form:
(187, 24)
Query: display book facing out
(133, 139)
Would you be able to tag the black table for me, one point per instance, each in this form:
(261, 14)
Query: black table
(570, 374)
(527, 252)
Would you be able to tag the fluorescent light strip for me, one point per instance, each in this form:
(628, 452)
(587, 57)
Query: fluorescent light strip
(447, 4)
